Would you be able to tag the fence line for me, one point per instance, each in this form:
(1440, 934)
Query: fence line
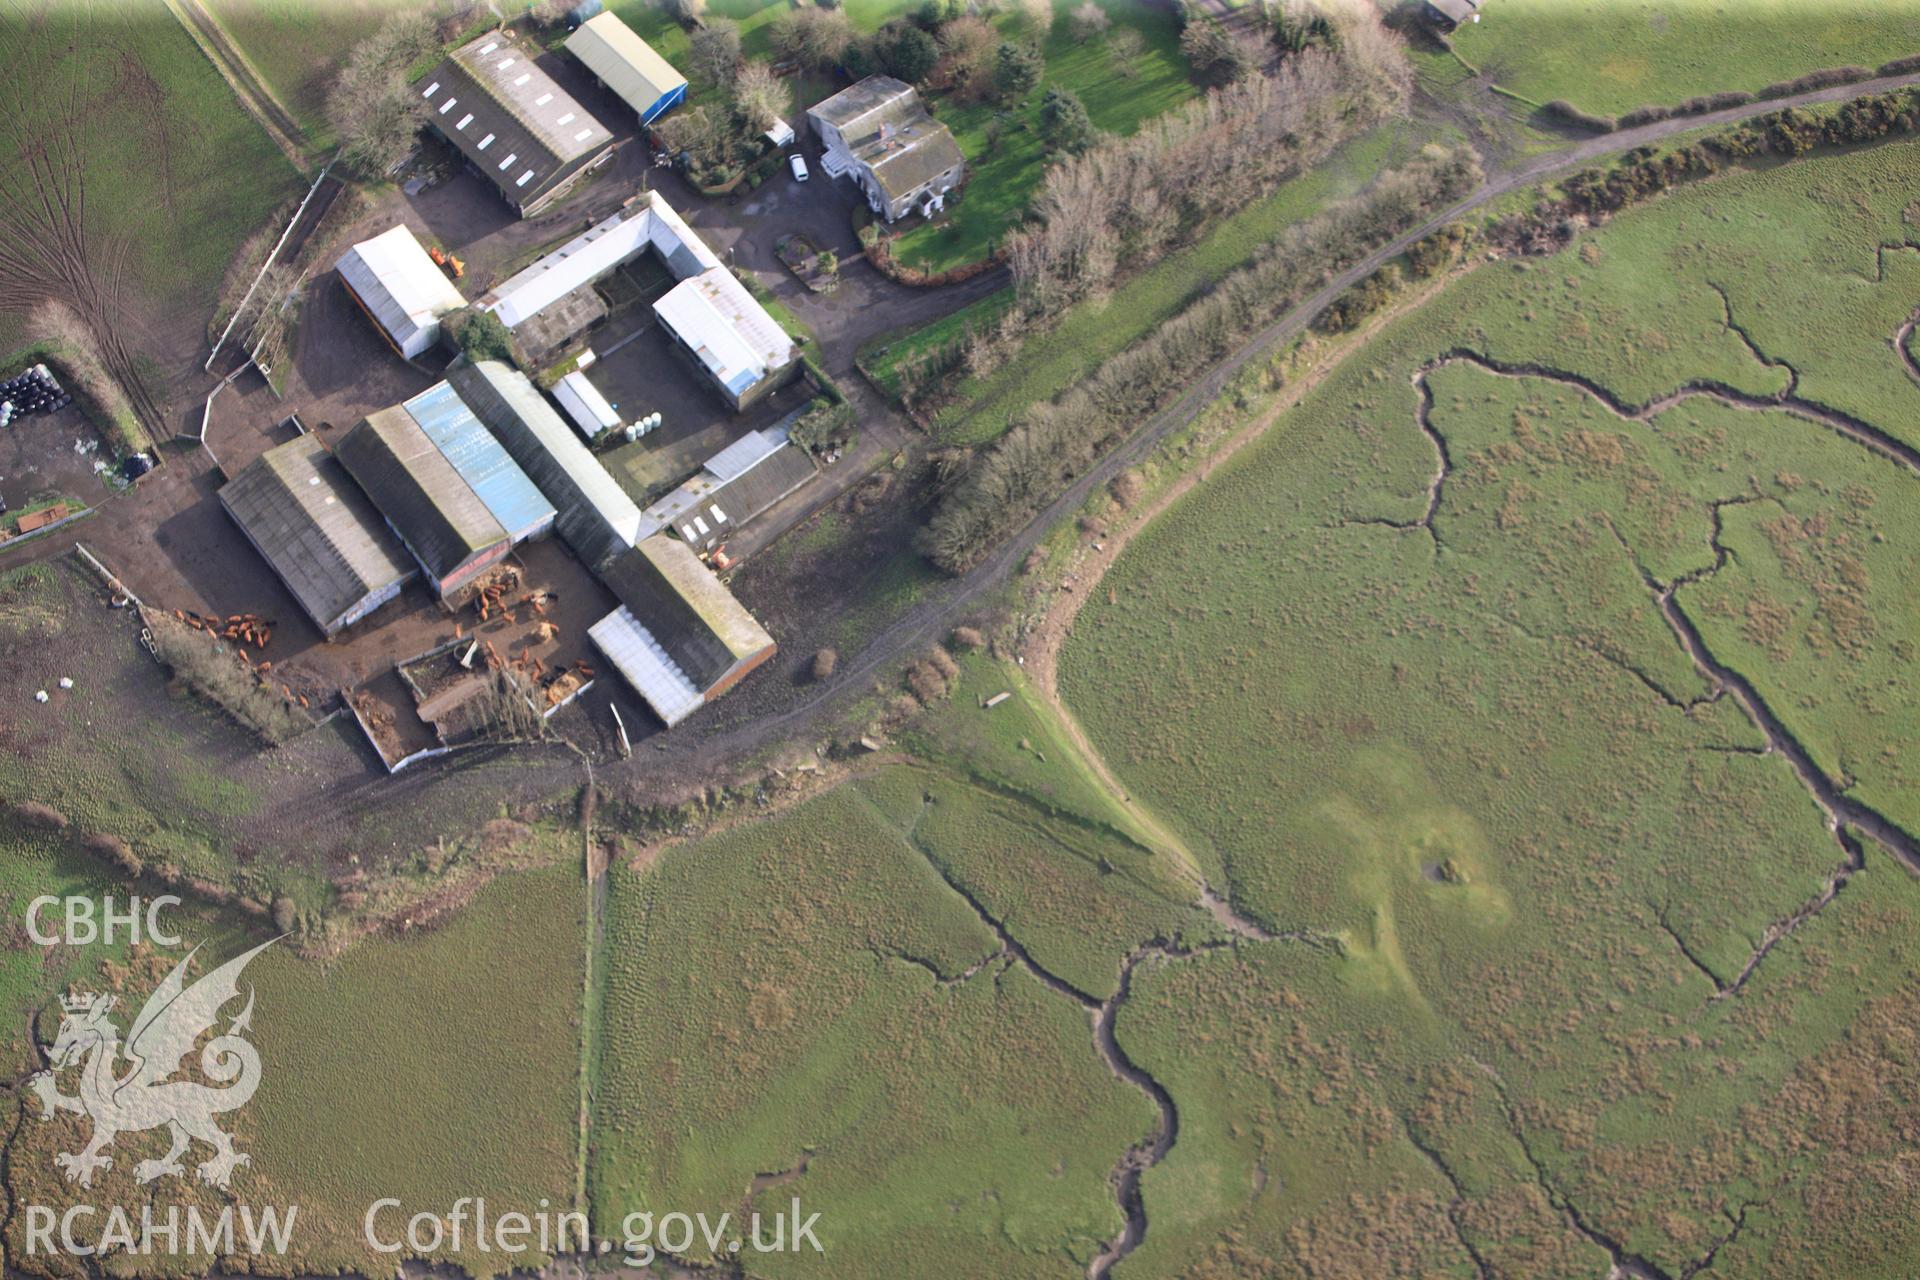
(106, 575)
(277, 246)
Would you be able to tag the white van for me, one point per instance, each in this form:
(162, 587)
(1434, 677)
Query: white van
(798, 163)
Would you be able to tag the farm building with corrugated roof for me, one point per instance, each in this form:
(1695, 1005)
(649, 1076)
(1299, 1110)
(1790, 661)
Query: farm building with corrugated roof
(628, 65)
(513, 122)
(317, 531)
(597, 518)
(729, 336)
(489, 470)
(438, 515)
(400, 288)
(679, 638)
(734, 486)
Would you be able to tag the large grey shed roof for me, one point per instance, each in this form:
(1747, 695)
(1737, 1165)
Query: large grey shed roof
(597, 518)
(298, 506)
(510, 118)
(436, 512)
(690, 612)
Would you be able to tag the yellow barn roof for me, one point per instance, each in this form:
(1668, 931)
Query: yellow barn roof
(624, 62)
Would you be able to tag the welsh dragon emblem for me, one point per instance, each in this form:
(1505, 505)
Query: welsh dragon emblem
(143, 1095)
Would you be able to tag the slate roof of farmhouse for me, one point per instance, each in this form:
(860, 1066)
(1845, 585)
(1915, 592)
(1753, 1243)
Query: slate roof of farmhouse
(888, 129)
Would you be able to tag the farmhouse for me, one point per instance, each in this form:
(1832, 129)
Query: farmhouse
(440, 518)
(730, 337)
(517, 127)
(626, 64)
(597, 518)
(879, 131)
(318, 532)
(679, 637)
(400, 288)
(734, 486)
(1448, 14)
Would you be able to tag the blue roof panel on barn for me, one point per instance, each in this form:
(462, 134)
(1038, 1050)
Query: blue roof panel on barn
(487, 468)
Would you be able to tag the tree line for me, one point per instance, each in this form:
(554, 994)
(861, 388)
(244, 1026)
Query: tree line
(992, 492)
(1124, 200)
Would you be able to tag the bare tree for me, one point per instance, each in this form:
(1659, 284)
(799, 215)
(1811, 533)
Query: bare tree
(1089, 22)
(508, 708)
(373, 111)
(268, 317)
(759, 96)
(715, 51)
(815, 38)
(966, 46)
(1124, 48)
(1037, 15)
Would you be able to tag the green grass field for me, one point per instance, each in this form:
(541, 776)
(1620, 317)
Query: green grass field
(427, 1067)
(1852, 230)
(32, 863)
(296, 48)
(407, 1069)
(809, 991)
(126, 124)
(1481, 758)
(1610, 56)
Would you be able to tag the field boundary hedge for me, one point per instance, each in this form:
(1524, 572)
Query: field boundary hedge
(992, 492)
(1564, 112)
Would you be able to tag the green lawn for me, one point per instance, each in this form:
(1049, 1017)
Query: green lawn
(1610, 56)
(1051, 361)
(1481, 758)
(1002, 178)
(882, 360)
